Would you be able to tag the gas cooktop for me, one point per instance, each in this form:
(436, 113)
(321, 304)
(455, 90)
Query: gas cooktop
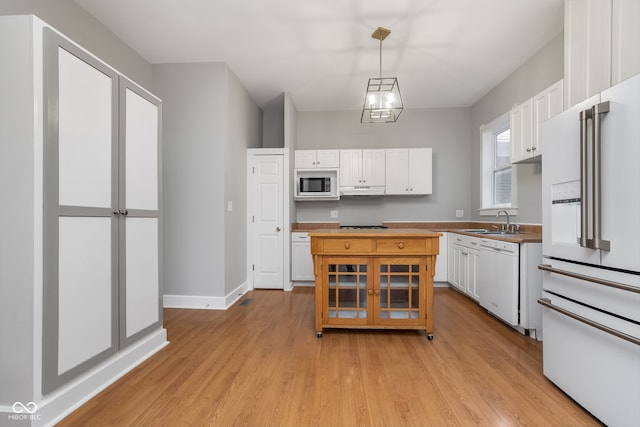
(351, 227)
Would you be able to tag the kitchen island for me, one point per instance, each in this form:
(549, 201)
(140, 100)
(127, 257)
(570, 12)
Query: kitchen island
(375, 279)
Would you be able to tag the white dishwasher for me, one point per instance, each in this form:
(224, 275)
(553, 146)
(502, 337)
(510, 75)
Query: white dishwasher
(499, 279)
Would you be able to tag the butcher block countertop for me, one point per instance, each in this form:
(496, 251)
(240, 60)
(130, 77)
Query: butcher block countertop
(378, 232)
(527, 234)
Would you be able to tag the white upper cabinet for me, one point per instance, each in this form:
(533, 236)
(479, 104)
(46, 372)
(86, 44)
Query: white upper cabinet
(522, 131)
(625, 40)
(526, 122)
(601, 46)
(362, 168)
(312, 159)
(408, 171)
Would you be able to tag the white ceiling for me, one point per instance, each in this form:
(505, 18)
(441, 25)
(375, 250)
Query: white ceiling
(445, 53)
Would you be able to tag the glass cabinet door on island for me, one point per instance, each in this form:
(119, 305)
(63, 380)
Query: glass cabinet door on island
(346, 292)
(399, 291)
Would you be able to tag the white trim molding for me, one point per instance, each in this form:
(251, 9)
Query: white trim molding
(204, 302)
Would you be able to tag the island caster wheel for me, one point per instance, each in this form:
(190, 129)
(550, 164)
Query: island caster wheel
(430, 337)
(319, 334)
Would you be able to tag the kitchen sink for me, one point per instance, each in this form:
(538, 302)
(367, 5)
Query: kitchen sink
(490, 232)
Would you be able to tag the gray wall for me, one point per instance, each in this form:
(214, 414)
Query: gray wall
(273, 123)
(244, 129)
(209, 121)
(454, 135)
(541, 71)
(445, 130)
(67, 17)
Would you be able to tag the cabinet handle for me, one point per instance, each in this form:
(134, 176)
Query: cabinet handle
(347, 245)
(401, 245)
(528, 150)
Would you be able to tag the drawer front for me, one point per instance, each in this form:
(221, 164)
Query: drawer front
(398, 246)
(345, 246)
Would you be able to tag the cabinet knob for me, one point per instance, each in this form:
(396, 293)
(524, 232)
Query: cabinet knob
(278, 228)
(528, 150)
(369, 291)
(533, 148)
(347, 245)
(401, 245)
(116, 212)
(377, 292)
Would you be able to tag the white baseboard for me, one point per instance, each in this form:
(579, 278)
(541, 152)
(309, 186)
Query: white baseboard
(200, 302)
(57, 405)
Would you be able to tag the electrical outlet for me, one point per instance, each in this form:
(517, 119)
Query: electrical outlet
(334, 214)
(459, 213)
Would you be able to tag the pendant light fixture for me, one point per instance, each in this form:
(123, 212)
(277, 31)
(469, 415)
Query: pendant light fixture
(382, 102)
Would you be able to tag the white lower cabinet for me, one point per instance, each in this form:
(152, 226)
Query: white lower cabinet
(301, 260)
(463, 264)
(442, 259)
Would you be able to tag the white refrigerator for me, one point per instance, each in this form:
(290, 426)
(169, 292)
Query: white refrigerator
(591, 250)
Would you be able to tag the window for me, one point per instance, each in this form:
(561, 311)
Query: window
(497, 178)
(502, 169)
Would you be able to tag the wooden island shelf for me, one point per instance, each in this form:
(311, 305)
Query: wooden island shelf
(376, 279)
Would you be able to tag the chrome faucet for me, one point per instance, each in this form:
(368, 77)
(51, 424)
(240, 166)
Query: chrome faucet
(506, 228)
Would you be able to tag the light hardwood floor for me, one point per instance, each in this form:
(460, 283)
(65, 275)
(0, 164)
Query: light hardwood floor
(260, 364)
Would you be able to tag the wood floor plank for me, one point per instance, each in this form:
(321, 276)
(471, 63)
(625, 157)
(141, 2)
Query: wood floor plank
(260, 364)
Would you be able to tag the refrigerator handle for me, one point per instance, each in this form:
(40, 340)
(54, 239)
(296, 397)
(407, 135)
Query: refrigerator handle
(584, 202)
(597, 111)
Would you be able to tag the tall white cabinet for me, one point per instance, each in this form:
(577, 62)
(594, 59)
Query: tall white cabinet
(86, 151)
(601, 46)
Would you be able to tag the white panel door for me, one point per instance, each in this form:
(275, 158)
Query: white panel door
(80, 228)
(140, 299)
(268, 211)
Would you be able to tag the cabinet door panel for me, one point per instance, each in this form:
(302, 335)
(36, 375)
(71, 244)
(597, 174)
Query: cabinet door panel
(85, 129)
(345, 291)
(373, 167)
(85, 293)
(139, 199)
(350, 168)
(397, 175)
(141, 152)
(625, 55)
(399, 291)
(420, 171)
(80, 309)
(142, 291)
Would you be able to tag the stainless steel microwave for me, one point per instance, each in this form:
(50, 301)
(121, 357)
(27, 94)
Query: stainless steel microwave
(316, 184)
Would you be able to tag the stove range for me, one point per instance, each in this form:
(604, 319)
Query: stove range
(354, 227)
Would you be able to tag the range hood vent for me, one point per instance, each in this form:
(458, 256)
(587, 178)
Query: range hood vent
(362, 191)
